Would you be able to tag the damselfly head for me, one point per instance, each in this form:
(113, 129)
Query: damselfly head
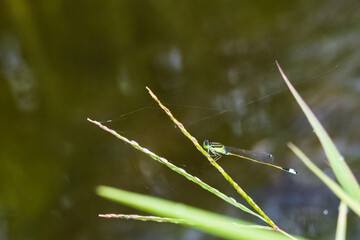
(206, 144)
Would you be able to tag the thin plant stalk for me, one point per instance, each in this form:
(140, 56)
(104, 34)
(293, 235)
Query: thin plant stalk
(165, 220)
(145, 218)
(341, 223)
(179, 170)
(212, 161)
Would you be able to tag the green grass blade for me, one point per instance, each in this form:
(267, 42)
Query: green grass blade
(341, 224)
(334, 187)
(212, 223)
(337, 162)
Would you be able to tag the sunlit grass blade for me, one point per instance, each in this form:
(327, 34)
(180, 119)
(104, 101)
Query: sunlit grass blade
(341, 223)
(179, 170)
(337, 162)
(212, 223)
(213, 162)
(334, 187)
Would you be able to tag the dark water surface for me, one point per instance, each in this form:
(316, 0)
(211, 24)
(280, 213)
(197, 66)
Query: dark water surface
(212, 64)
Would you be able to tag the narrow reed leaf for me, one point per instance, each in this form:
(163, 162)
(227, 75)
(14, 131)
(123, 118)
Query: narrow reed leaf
(217, 166)
(334, 187)
(337, 162)
(212, 223)
(179, 170)
(341, 223)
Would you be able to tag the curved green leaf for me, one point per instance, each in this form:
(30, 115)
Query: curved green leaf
(334, 187)
(337, 162)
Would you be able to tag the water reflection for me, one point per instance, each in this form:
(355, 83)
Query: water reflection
(212, 64)
(20, 80)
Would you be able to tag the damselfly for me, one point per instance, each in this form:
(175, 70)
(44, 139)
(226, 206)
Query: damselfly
(217, 149)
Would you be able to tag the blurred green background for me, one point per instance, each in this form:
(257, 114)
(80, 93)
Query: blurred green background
(212, 64)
